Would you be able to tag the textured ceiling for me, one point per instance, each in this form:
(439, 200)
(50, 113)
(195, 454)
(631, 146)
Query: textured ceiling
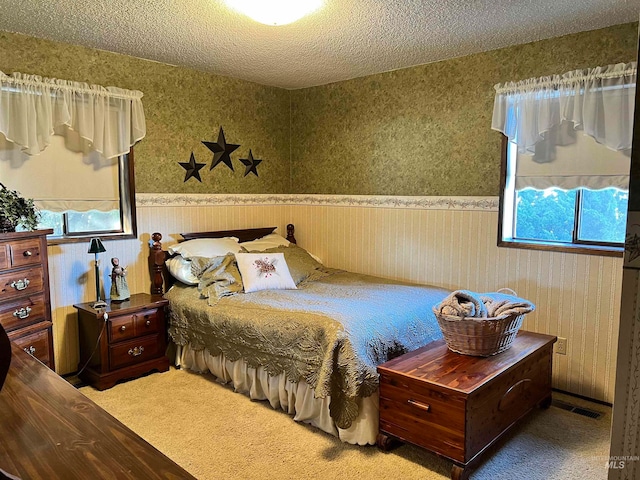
(342, 40)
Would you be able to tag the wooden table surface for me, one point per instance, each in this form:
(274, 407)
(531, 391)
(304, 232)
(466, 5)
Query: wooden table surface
(49, 430)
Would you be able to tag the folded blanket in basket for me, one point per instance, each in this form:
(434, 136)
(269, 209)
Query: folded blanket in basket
(500, 304)
(464, 303)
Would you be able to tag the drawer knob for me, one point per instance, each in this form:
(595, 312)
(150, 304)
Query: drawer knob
(422, 406)
(22, 313)
(135, 351)
(27, 253)
(147, 323)
(123, 328)
(20, 284)
(31, 350)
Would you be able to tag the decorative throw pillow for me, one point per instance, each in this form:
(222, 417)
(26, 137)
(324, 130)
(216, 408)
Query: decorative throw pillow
(264, 271)
(302, 266)
(268, 241)
(206, 247)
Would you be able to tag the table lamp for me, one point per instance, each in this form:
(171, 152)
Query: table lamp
(97, 247)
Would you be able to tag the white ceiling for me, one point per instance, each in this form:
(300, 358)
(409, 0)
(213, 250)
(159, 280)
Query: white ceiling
(344, 39)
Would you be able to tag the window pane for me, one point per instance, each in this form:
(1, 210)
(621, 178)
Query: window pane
(51, 220)
(546, 215)
(603, 215)
(93, 221)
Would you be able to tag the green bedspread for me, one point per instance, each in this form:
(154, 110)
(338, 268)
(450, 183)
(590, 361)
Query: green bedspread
(331, 332)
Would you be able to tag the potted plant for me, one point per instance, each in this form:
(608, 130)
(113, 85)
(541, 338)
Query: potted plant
(16, 210)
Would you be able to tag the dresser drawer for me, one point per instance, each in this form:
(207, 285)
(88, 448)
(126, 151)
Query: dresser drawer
(24, 252)
(22, 282)
(36, 344)
(134, 351)
(4, 256)
(22, 312)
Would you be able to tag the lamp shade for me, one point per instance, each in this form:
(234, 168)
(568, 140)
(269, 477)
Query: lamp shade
(96, 246)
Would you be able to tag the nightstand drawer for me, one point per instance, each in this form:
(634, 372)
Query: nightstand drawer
(135, 351)
(22, 312)
(23, 282)
(147, 322)
(36, 344)
(121, 328)
(25, 252)
(131, 326)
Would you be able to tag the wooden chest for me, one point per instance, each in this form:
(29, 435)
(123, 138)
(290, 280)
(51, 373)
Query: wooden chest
(25, 307)
(123, 340)
(457, 405)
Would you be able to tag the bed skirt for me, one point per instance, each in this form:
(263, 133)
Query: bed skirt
(296, 399)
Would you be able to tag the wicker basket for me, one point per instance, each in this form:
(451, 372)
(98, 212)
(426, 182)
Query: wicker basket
(481, 337)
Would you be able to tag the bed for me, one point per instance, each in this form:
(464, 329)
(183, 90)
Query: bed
(310, 351)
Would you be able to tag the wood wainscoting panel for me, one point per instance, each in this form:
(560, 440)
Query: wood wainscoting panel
(446, 242)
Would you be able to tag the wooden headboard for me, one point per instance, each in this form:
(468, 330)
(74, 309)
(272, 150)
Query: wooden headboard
(160, 277)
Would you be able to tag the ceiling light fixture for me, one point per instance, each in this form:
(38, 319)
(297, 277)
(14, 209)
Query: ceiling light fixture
(275, 12)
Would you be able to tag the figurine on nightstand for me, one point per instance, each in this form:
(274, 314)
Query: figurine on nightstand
(119, 287)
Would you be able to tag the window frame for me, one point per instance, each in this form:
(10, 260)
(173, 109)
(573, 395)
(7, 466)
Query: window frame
(128, 220)
(580, 246)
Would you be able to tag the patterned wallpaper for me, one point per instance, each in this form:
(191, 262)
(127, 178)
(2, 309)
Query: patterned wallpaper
(425, 130)
(182, 108)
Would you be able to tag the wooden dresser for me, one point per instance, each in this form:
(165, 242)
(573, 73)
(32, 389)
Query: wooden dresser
(458, 405)
(49, 430)
(25, 306)
(123, 340)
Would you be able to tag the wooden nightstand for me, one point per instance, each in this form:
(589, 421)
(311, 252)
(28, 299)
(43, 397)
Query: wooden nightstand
(458, 405)
(131, 339)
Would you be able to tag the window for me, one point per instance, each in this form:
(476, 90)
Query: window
(537, 212)
(68, 146)
(86, 196)
(566, 159)
(118, 222)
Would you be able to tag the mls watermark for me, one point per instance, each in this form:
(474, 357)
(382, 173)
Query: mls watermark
(619, 462)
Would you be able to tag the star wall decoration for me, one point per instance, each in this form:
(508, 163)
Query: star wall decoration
(250, 164)
(221, 151)
(192, 168)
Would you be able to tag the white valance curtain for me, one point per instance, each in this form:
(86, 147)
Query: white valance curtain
(600, 101)
(109, 120)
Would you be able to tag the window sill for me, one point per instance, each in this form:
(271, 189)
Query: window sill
(565, 248)
(87, 238)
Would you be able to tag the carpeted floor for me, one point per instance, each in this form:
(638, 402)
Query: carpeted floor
(215, 433)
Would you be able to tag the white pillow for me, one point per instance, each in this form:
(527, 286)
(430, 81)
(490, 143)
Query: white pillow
(317, 259)
(206, 247)
(180, 268)
(268, 241)
(264, 271)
